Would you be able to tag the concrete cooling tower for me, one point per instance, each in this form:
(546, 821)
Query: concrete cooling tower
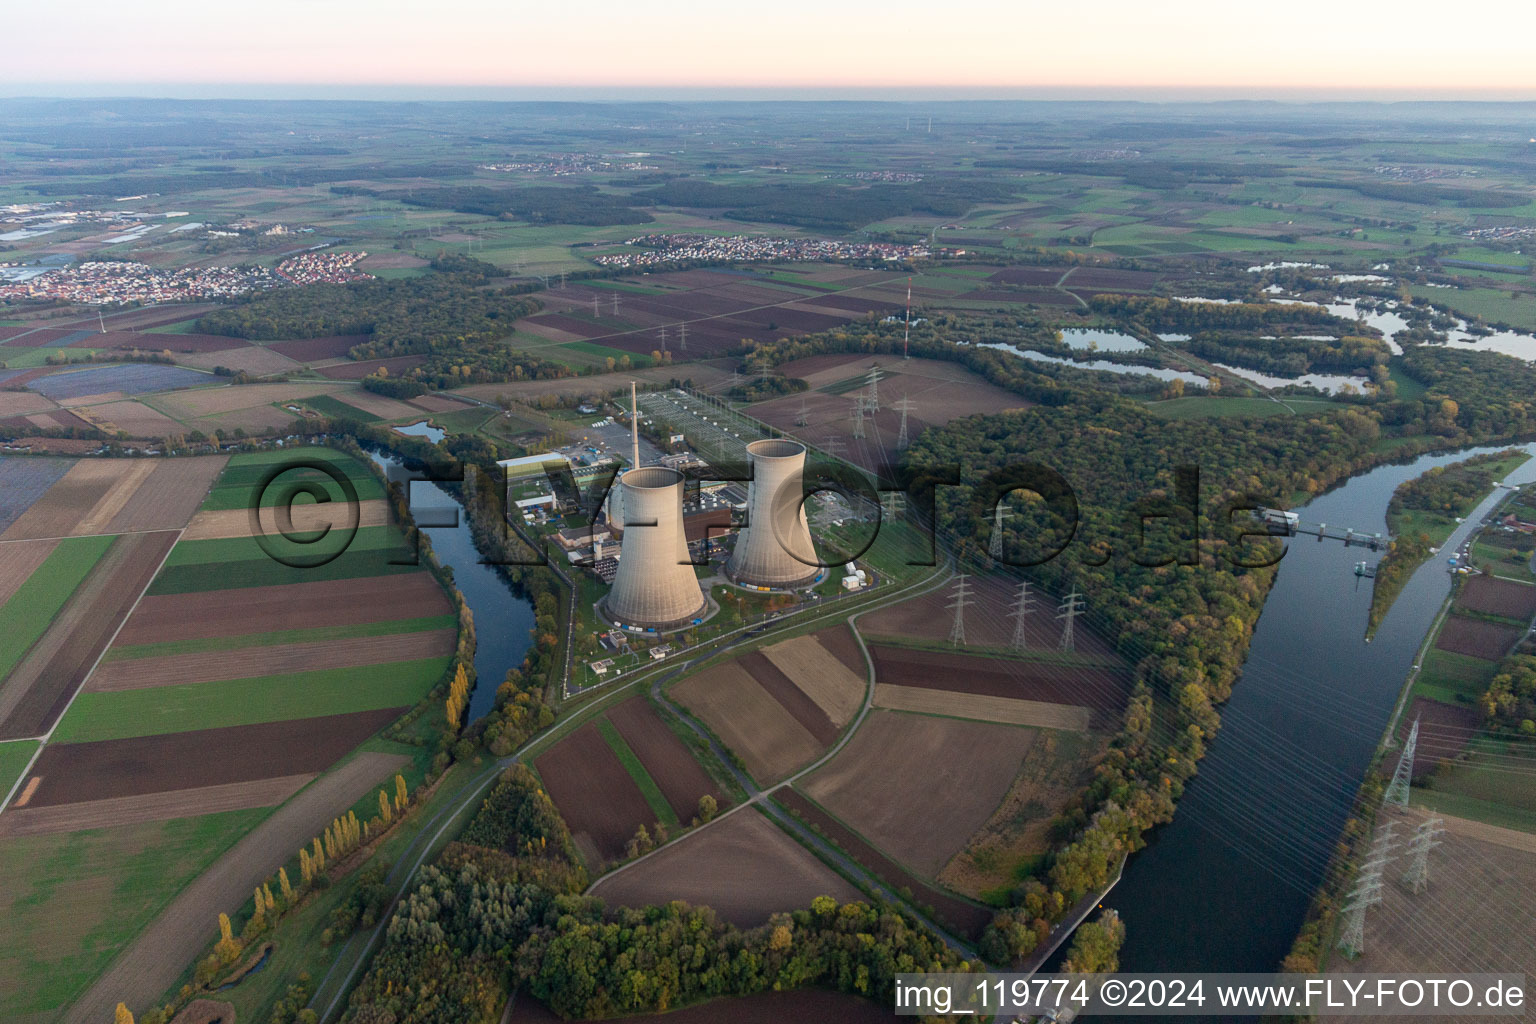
(775, 549)
(655, 586)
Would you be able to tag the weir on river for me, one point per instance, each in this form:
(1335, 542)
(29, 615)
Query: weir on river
(1226, 885)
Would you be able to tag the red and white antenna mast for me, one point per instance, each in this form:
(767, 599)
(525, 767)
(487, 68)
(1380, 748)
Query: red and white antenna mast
(907, 325)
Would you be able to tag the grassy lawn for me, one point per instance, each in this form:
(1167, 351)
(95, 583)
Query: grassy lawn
(33, 606)
(1197, 407)
(71, 902)
(13, 758)
(286, 636)
(636, 770)
(165, 709)
(1453, 678)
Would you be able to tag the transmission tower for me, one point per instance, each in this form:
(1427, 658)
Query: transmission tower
(858, 416)
(1070, 609)
(562, 280)
(1366, 893)
(999, 513)
(833, 445)
(892, 504)
(597, 309)
(905, 405)
(804, 417)
(663, 341)
(1397, 789)
(906, 327)
(682, 337)
(1021, 610)
(962, 597)
(615, 303)
(1425, 838)
(874, 389)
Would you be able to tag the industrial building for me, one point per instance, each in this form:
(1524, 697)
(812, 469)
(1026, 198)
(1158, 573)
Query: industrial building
(655, 587)
(775, 549)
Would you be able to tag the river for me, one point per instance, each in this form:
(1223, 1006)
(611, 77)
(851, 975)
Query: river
(503, 619)
(1226, 885)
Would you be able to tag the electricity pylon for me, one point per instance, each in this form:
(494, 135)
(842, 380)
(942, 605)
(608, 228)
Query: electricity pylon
(1070, 609)
(962, 597)
(1021, 610)
(1366, 893)
(663, 341)
(682, 337)
(874, 389)
(995, 548)
(905, 406)
(804, 417)
(858, 416)
(1402, 778)
(597, 308)
(1425, 838)
(892, 504)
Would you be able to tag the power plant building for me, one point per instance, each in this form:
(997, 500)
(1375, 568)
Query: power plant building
(654, 587)
(775, 548)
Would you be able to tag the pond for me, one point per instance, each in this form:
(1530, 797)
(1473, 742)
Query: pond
(423, 429)
(1329, 383)
(1102, 341)
(1102, 365)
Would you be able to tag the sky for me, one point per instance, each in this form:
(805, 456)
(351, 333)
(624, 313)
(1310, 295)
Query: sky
(392, 49)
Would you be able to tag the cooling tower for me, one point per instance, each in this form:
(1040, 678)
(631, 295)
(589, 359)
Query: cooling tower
(775, 549)
(655, 586)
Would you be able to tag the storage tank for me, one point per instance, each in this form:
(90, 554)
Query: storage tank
(655, 587)
(775, 547)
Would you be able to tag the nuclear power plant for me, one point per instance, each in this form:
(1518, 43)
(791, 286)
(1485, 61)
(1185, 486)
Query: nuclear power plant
(775, 548)
(655, 587)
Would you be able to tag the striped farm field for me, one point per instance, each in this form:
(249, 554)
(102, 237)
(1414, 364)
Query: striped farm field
(35, 603)
(241, 484)
(276, 698)
(276, 638)
(201, 565)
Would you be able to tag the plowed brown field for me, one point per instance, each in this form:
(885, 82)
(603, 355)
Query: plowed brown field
(744, 867)
(749, 721)
(919, 786)
(84, 500)
(276, 659)
(681, 778)
(18, 560)
(1498, 597)
(168, 498)
(130, 810)
(236, 522)
(1475, 637)
(821, 675)
(289, 606)
(599, 801)
(1102, 691)
(78, 772)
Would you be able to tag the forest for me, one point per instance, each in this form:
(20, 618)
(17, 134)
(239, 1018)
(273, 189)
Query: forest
(828, 207)
(536, 204)
(1510, 702)
(1292, 357)
(1172, 315)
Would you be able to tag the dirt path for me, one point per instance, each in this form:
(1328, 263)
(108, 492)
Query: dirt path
(156, 958)
(1505, 837)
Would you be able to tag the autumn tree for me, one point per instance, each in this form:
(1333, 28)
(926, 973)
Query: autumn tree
(123, 1015)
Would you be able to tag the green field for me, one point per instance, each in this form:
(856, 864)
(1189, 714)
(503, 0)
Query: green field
(33, 606)
(163, 709)
(241, 562)
(1483, 792)
(237, 485)
(14, 757)
(326, 405)
(72, 902)
(636, 770)
(1453, 678)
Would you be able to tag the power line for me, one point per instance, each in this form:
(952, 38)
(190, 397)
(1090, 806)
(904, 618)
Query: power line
(1425, 838)
(905, 405)
(1021, 610)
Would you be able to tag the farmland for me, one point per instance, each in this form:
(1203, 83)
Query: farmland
(745, 868)
(621, 771)
(749, 720)
(1477, 638)
(948, 773)
(149, 654)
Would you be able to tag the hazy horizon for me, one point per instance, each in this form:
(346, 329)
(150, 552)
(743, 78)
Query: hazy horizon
(476, 49)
